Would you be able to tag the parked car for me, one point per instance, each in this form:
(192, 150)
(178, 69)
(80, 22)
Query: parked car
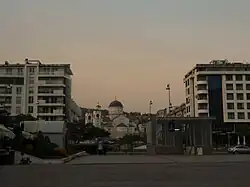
(239, 149)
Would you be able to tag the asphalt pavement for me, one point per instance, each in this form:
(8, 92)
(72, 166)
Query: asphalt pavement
(124, 175)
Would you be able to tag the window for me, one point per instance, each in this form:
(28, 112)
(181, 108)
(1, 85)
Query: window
(239, 86)
(240, 106)
(202, 96)
(18, 100)
(201, 87)
(229, 86)
(229, 77)
(31, 80)
(18, 110)
(230, 115)
(19, 71)
(230, 96)
(241, 115)
(18, 90)
(9, 71)
(230, 106)
(238, 77)
(247, 77)
(240, 96)
(31, 99)
(201, 78)
(30, 109)
(248, 115)
(248, 106)
(31, 90)
(247, 86)
(202, 106)
(32, 70)
(248, 96)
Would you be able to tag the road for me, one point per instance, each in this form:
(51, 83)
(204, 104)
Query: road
(188, 174)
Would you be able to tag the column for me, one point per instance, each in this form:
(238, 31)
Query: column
(244, 140)
(238, 140)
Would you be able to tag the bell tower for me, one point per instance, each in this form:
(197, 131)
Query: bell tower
(88, 117)
(97, 116)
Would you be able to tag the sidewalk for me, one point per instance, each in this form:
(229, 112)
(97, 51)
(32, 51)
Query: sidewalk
(36, 160)
(160, 159)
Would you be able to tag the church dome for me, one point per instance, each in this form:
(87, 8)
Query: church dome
(116, 104)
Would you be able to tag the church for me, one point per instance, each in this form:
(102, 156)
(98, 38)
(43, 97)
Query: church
(116, 122)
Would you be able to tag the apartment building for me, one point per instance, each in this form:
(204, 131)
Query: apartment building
(42, 90)
(219, 89)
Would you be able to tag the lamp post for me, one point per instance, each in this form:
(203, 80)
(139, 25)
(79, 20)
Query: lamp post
(169, 98)
(150, 107)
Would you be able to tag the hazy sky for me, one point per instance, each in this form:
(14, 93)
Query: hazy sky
(125, 48)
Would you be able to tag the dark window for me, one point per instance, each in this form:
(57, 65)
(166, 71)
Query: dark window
(230, 106)
(241, 115)
(229, 77)
(230, 115)
(239, 86)
(238, 77)
(229, 86)
(230, 96)
(31, 99)
(30, 109)
(247, 78)
(247, 86)
(248, 96)
(240, 106)
(240, 96)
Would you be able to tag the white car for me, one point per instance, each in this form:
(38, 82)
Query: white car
(239, 149)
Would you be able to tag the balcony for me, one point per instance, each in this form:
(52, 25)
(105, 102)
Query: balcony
(53, 74)
(12, 74)
(205, 101)
(53, 93)
(50, 114)
(50, 83)
(202, 91)
(203, 110)
(201, 82)
(44, 103)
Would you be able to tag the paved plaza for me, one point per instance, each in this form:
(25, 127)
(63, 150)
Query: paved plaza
(173, 159)
(133, 171)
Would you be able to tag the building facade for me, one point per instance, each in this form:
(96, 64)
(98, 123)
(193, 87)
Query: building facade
(219, 89)
(41, 90)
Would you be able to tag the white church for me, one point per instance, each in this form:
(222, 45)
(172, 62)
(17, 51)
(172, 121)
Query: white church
(115, 122)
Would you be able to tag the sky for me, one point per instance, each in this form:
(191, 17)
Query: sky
(125, 49)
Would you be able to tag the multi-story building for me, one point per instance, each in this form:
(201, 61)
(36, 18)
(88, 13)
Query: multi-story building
(219, 89)
(42, 90)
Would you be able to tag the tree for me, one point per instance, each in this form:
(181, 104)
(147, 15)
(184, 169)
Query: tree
(91, 132)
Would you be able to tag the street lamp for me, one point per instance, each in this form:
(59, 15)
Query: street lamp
(169, 98)
(150, 106)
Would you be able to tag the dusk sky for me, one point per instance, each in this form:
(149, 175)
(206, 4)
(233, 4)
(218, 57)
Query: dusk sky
(125, 48)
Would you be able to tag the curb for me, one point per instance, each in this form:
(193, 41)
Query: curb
(74, 156)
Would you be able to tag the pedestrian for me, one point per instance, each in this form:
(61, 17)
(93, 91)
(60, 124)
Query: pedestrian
(100, 147)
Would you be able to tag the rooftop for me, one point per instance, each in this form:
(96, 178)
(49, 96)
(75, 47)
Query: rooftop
(37, 62)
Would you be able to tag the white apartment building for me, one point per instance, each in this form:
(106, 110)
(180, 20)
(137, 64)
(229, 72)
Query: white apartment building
(219, 89)
(42, 90)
